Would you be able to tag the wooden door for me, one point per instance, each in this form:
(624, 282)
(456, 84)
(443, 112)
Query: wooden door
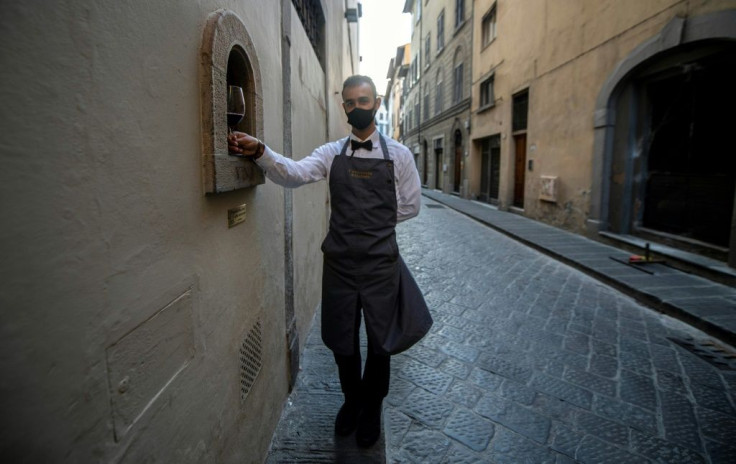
(425, 166)
(458, 161)
(519, 169)
(495, 174)
(485, 172)
(438, 169)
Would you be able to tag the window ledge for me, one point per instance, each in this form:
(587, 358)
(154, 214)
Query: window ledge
(484, 47)
(485, 108)
(459, 27)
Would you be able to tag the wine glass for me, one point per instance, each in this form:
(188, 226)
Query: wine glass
(235, 106)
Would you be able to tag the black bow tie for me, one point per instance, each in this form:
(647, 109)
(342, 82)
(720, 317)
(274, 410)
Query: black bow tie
(368, 144)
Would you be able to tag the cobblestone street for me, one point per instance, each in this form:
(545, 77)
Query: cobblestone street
(532, 361)
(529, 361)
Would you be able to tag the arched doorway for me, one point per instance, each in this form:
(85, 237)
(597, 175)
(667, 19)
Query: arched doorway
(438, 163)
(688, 172)
(667, 173)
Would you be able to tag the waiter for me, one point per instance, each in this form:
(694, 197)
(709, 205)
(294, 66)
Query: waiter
(373, 185)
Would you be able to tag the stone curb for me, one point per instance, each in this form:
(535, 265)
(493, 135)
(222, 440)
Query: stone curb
(717, 319)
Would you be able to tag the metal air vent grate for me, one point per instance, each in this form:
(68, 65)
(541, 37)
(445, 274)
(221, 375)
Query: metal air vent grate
(250, 359)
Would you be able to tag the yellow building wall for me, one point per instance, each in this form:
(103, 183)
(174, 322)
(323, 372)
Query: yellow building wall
(562, 52)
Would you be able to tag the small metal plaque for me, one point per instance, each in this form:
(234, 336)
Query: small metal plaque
(235, 216)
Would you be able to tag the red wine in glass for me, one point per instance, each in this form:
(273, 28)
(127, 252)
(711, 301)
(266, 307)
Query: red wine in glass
(233, 119)
(235, 106)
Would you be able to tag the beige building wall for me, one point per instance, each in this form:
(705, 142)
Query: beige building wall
(435, 75)
(131, 312)
(398, 88)
(397, 69)
(563, 53)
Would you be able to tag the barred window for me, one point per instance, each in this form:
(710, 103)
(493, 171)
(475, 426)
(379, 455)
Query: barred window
(313, 19)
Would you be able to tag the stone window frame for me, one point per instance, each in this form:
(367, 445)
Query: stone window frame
(427, 49)
(488, 83)
(459, 13)
(458, 76)
(225, 33)
(441, 31)
(425, 110)
(489, 26)
(439, 93)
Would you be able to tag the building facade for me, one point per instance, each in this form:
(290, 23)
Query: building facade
(398, 69)
(436, 123)
(155, 290)
(601, 117)
(382, 122)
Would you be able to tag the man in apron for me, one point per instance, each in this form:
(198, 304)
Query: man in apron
(373, 184)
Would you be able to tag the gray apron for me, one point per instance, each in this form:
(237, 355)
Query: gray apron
(361, 257)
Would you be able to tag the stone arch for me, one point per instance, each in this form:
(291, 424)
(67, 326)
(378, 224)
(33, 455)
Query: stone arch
(676, 35)
(458, 143)
(458, 56)
(226, 38)
(459, 76)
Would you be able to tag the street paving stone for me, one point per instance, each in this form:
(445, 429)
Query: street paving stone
(530, 360)
(305, 432)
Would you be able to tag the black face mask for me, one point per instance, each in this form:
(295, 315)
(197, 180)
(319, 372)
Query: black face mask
(361, 118)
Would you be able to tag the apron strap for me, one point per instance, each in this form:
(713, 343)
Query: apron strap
(345, 147)
(384, 147)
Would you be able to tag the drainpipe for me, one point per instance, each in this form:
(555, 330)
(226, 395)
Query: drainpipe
(421, 79)
(292, 334)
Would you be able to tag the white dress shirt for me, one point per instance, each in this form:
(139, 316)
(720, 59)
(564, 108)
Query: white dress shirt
(289, 173)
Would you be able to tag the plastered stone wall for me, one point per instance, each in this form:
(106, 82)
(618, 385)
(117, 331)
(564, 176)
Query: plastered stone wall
(125, 298)
(454, 114)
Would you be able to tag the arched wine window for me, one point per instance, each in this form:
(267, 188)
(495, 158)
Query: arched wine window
(228, 58)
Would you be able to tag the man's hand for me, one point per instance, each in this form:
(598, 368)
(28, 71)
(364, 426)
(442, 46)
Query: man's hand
(240, 143)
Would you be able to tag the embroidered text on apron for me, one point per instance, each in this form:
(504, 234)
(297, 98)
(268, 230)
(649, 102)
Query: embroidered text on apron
(361, 265)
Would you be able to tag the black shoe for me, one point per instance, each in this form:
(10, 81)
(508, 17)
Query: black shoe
(369, 425)
(347, 419)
